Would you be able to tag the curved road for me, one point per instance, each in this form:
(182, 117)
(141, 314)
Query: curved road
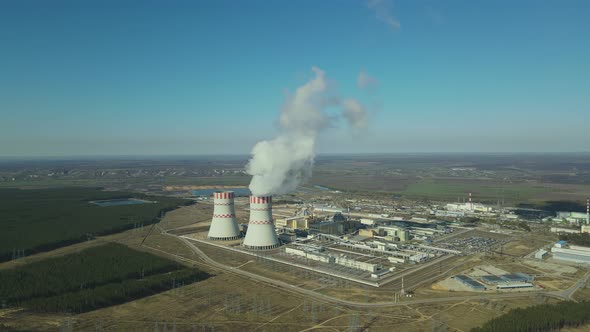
(565, 294)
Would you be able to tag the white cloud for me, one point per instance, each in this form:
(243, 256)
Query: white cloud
(382, 9)
(366, 81)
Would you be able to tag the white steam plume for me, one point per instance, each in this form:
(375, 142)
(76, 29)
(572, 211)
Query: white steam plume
(279, 165)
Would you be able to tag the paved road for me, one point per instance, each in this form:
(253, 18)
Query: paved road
(568, 293)
(325, 298)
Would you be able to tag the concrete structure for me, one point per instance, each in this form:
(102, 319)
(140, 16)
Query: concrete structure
(492, 280)
(397, 260)
(585, 229)
(560, 244)
(571, 253)
(287, 237)
(514, 285)
(322, 208)
(541, 253)
(366, 221)
(418, 258)
(296, 222)
(315, 255)
(355, 264)
(327, 227)
(468, 207)
(224, 225)
(369, 232)
(396, 232)
(573, 217)
(516, 277)
(261, 234)
(561, 230)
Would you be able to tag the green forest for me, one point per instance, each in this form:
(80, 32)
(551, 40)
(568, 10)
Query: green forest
(36, 220)
(93, 278)
(546, 317)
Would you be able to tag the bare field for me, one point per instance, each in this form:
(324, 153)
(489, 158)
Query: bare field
(229, 303)
(525, 243)
(187, 215)
(583, 294)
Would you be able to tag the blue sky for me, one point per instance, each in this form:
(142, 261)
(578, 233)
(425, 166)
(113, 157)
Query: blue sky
(209, 77)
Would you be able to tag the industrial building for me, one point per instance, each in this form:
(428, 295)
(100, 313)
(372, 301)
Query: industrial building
(296, 222)
(468, 207)
(517, 277)
(224, 225)
(465, 280)
(452, 214)
(562, 230)
(492, 280)
(318, 254)
(261, 232)
(327, 227)
(576, 218)
(506, 279)
(395, 233)
(315, 255)
(541, 253)
(570, 253)
(322, 208)
(514, 285)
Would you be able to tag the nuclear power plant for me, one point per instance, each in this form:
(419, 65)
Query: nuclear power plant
(261, 232)
(224, 225)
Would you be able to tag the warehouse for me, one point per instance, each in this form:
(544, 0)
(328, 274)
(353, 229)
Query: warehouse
(465, 280)
(355, 264)
(515, 285)
(570, 253)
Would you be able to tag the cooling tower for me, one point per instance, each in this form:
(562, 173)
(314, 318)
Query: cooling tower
(261, 231)
(224, 225)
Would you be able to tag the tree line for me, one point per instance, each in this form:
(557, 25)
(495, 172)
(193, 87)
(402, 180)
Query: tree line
(114, 293)
(37, 220)
(95, 277)
(581, 239)
(540, 318)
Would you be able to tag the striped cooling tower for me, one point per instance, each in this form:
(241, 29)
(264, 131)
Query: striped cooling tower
(224, 225)
(261, 233)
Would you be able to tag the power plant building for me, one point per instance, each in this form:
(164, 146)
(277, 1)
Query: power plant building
(261, 234)
(355, 264)
(296, 222)
(571, 253)
(327, 227)
(224, 225)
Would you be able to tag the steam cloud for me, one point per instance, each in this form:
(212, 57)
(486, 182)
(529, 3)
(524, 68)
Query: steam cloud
(279, 165)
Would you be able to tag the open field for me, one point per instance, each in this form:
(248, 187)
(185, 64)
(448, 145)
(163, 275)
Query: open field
(512, 178)
(484, 190)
